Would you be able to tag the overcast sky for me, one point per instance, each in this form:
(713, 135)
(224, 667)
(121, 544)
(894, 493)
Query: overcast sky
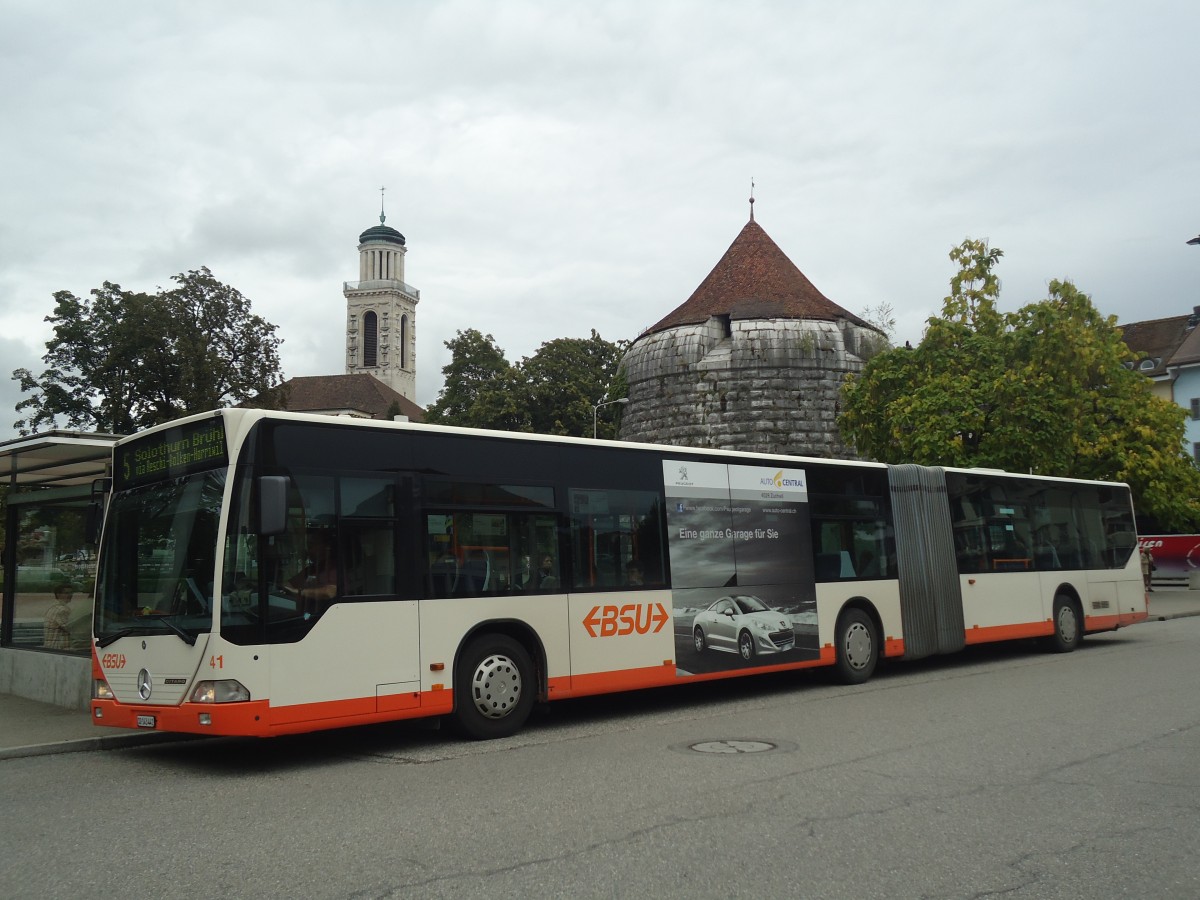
(563, 166)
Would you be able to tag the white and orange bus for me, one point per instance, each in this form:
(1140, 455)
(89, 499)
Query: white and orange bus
(266, 573)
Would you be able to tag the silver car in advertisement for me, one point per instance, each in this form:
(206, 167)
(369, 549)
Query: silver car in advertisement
(744, 625)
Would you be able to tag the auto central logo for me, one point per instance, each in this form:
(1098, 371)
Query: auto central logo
(778, 481)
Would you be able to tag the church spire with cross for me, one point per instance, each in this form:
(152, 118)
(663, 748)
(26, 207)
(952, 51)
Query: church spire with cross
(381, 310)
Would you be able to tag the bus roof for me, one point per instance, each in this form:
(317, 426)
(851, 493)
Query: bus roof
(239, 420)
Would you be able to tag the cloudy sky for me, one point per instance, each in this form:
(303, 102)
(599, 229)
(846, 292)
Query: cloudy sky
(563, 166)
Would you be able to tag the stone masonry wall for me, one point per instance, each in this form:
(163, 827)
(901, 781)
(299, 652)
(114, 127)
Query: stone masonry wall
(769, 387)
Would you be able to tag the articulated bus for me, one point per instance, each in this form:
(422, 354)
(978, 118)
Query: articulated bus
(267, 573)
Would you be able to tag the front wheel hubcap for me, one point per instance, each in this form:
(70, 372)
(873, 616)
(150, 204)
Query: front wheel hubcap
(496, 686)
(1068, 628)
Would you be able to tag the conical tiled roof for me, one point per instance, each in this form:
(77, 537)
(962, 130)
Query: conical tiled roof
(755, 280)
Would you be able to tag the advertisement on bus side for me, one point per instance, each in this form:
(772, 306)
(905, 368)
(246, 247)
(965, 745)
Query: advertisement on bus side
(741, 566)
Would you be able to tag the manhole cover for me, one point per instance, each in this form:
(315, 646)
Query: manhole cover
(732, 746)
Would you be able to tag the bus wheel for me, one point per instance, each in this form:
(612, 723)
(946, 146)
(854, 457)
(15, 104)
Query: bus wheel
(857, 647)
(494, 688)
(698, 639)
(1068, 628)
(746, 645)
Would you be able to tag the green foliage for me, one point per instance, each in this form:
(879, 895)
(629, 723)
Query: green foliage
(1045, 389)
(121, 361)
(551, 392)
(477, 380)
(564, 380)
(883, 317)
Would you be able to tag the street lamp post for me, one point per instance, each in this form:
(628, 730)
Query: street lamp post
(596, 413)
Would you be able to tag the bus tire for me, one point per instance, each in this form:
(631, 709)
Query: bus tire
(746, 645)
(857, 644)
(1068, 625)
(494, 688)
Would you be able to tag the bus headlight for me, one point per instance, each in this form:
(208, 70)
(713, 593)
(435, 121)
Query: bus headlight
(101, 690)
(225, 691)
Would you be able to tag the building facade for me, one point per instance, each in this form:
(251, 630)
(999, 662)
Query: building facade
(1168, 353)
(381, 312)
(754, 360)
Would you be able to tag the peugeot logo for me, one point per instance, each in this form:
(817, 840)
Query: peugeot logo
(145, 685)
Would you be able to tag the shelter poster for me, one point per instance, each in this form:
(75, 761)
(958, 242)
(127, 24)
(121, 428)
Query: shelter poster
(1176, 556)
(741, 566)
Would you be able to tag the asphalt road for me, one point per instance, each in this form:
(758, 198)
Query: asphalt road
(1000, 771)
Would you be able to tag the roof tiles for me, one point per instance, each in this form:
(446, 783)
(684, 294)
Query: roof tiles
(754, 280)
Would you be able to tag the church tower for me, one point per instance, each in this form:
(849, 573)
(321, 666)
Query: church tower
(381, 312)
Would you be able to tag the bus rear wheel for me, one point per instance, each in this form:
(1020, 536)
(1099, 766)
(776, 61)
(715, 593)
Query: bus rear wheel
(493, 688)
(1068, 625)
(857, 647)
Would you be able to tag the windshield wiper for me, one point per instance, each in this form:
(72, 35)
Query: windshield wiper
(189, 639)
(165, 618)
(114, 637)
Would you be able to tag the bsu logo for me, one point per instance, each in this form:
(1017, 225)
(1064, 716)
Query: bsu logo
(644, 618)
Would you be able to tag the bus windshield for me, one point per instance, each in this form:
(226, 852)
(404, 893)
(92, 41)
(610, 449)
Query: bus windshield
(158, 561)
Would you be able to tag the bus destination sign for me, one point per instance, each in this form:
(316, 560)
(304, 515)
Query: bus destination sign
(172, 453)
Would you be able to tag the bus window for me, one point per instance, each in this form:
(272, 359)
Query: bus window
(476, 554)
(616, 539)
(851, 532)
(368, 558)
(367, 497)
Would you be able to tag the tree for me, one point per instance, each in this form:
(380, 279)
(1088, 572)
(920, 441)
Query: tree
(565, 378)
(883, 317)
(478, 387)
(1046, 389)
(551, 392)
(121, 361)
(223, 352)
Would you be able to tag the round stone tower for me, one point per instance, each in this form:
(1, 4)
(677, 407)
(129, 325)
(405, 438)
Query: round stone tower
(753, 360)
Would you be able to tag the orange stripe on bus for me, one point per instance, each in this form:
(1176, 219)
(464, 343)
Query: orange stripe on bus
(611, 682)
(257, 718)
(987, 634)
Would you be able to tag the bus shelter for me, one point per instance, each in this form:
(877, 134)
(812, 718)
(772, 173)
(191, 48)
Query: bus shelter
(48, 566)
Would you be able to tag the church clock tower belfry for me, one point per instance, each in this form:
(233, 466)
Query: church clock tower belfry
(381, 312)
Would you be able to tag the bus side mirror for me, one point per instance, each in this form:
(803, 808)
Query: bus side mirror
(95, 511)
(272, 504)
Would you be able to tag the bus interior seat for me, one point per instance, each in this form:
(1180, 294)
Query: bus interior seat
(477, 572)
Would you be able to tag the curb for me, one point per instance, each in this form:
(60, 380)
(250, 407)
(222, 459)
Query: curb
(1163, 617)
(85, 745)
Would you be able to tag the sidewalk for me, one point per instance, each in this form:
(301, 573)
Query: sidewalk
(29, 728)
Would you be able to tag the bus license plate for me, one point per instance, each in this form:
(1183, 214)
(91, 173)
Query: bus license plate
(145, 721)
